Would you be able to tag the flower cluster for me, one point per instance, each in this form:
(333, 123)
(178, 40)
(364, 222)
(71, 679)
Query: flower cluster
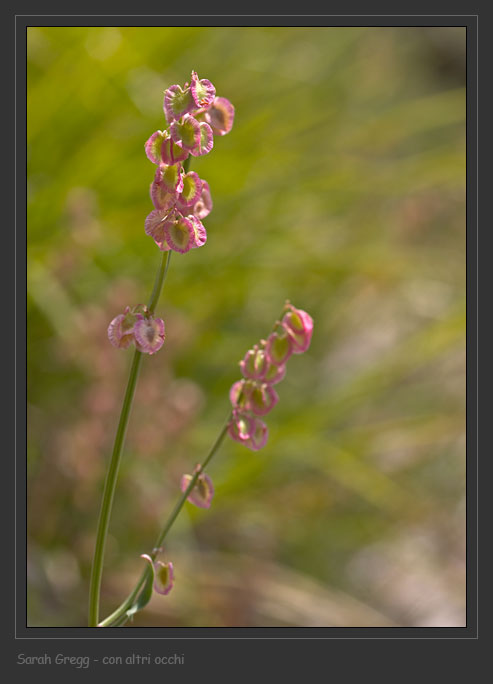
(263, 367)
(194, 115)
(139, 326)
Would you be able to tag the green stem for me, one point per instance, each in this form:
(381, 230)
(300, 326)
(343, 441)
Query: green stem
(114, 466)
(159, 282)
(120, 611)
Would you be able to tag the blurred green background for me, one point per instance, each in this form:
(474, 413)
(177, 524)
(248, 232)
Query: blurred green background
(340, 187)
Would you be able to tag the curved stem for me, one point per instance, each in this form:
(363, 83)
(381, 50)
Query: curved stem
(114, 466)
(120, 611)
(159, 282)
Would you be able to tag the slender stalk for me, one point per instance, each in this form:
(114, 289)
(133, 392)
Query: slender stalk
(159, 281)
(120, 611)
(114, 466)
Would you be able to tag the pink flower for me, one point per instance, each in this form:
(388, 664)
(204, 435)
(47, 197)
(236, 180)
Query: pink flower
(237, 394)
(121, 329)
(202, 91)
(241, 426)
(254, 364)
(164, 187)
(202, 207)
(191, 190)
(262, 367)
(202, 492)
(204, 204)
(274, 374)
(139, 326)
(180, 234)
(177, 102)
(149, 334)
(170, 177)
(155, 225)
(299, 326)
(279, 348)
(258, 437)
(163, 575)
(255, 396)
(186, 133)
(181, 200)
(200, 236)
(220, 116)
(171, 153)
(261, 398)
(154, 145)
(247, 430)
(206, 140)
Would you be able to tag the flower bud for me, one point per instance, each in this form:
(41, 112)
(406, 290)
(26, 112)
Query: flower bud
(254, 364)
(274, 374)
(163, 575)
(202, 492)
(241, 426)
(261, 398)
(253, 395)
(237, 394)
(247, 430)
(299, 326)
(258, 437)
(278, 348)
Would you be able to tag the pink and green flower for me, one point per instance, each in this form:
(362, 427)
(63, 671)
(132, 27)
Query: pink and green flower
(155, 226)
(177, 102)
(186, 133)
(279, 348)
(248, 430)
(202, 492)
(220, 116)
(205, 142)
(180, 234)
(299, 326)
(191, 189)
(171, 153)
(154, 145)
(200, 235)
(121, 329)
(202, 91)
(163, 575)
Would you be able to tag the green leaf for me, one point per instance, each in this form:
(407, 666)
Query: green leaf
(144, 596)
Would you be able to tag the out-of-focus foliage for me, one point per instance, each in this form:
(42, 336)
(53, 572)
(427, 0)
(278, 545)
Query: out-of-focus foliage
(340, 187)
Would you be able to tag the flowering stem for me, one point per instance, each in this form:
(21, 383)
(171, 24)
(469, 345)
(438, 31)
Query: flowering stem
(113, 619)
(114, 466)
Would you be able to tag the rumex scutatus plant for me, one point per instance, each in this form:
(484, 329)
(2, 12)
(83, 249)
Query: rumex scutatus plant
(194, 115)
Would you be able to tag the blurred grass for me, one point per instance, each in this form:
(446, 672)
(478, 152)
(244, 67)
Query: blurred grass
(340, 187)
